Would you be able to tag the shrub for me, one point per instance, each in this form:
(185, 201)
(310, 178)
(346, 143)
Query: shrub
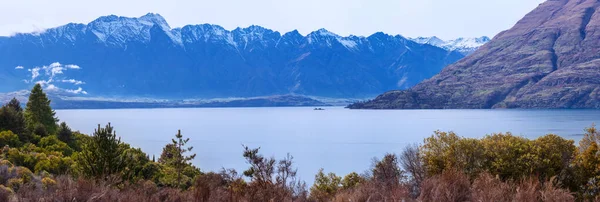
(352, 181)
(10, 139)
(52, 143)
(451, 185)
(5, 193)
(15, 183)
(48, 182)
(325, 186)
(489, 188)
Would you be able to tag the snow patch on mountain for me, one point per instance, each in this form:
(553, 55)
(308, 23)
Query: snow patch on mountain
(465, 46)
(119, 31)
(329, 38)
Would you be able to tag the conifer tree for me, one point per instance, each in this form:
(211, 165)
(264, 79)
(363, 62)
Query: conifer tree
(11, 118)
(38, 111)
(101, 155)
(65, 134)
(180, 160)
(15, 104)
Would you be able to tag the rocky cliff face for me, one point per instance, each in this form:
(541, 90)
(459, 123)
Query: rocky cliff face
(549, 59)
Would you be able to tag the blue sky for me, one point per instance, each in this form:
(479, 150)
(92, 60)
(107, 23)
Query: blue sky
(444, 18)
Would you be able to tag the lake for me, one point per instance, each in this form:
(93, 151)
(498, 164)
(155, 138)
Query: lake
(336, 139)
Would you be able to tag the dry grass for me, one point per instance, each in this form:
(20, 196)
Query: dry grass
(450, 186)
(489, 188)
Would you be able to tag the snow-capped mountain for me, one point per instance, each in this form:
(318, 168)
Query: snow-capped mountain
(465, 46)
(144, 56)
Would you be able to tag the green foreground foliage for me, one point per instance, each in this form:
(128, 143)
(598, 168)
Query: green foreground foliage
(42, 160)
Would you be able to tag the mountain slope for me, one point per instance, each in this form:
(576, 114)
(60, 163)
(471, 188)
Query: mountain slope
(145, 57)
(549, 59)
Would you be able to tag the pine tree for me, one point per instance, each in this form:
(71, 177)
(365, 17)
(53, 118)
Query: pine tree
(11, 118)
(38, 111)
(65, 134)
(101, 155)
(15, 104)
(180, 159)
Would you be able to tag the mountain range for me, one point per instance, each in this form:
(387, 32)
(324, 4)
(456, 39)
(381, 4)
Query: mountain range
(115, 56)
(466, 46)
(549, 59)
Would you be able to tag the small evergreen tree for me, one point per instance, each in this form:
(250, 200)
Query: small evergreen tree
(65, 134)
(167, 157)
(11, 118)
(101, 155)
(15, 104)
(180, 160)
(38, 111)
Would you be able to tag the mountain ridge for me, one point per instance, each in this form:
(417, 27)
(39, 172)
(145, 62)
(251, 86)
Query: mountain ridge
(145, 57)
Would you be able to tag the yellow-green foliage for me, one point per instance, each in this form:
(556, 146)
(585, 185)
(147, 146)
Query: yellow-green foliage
(325, 186)
(553, 153)
(505, 155)
(9, 138)
(24, 174)
(503, 151)
(15, 183)
(52, 143)
(48, 182)
(54, 164)
(5, 162)
(168, 176)
(587, 166)
(447, 150)
(352, 180)
(40, 159)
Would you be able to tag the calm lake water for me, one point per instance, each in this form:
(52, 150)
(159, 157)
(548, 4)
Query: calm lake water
(337, 139)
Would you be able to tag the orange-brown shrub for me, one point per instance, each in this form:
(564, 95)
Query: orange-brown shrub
(489, 188)
(450, 186)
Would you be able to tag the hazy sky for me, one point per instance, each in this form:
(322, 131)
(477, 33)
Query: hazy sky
(444, 18)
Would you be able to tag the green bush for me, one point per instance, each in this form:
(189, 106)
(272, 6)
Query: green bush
(52, 143)
(10, 139)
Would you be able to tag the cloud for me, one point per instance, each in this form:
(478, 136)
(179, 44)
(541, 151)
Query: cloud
(78, 91)
(55, 64)
(35, 72)
(72, 67)
(43, 82)
(73, 81)
(48, 79)
(55, 70)
(52, 87)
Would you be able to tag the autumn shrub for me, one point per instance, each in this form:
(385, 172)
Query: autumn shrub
(271, 180)
(450, 186)
(490, 188)
(551, 193)
(212, 187)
